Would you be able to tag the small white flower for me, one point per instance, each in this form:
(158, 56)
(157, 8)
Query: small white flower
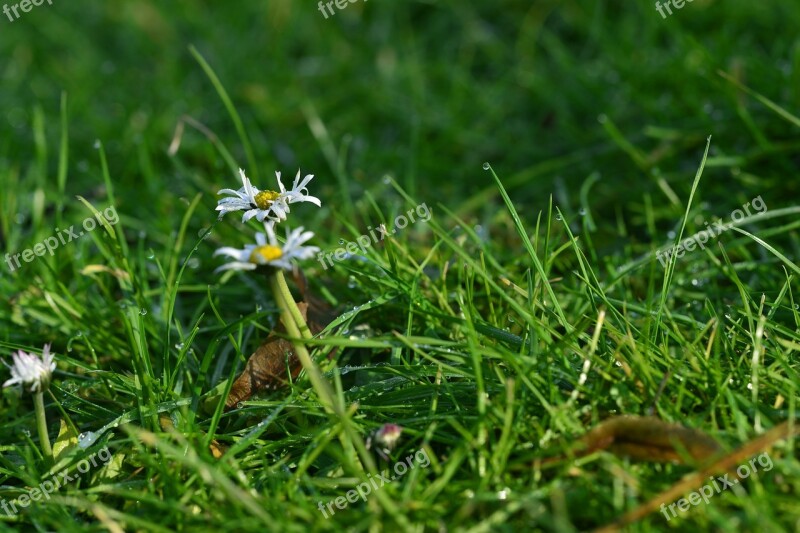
(30, 370)
(385, 439)
(268, 252)
(265, 204)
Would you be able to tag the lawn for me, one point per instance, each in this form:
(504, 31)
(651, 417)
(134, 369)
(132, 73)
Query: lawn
(551, 283)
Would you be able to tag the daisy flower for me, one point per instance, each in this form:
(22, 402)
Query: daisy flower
(272, 205)
(30, 370)
(268, 251)
(385, 439)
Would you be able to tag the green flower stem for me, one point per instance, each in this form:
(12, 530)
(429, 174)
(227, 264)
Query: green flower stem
(41, 424)
(321, 386)
(290, 303)
(290, 320)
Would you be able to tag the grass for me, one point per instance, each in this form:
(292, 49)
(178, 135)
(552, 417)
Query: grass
(528, 309)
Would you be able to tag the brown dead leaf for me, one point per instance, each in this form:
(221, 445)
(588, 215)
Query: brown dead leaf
(269, 367)
(727, 463)
(647, 438)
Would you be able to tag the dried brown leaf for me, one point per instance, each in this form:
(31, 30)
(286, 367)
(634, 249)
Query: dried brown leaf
(691, 482)
(269, 367)
(648, 438)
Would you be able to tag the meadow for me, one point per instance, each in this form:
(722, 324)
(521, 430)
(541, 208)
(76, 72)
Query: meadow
(543, 278)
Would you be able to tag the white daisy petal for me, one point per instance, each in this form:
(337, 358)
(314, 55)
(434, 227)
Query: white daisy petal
(274, 205)
(270, 234)
(262, 215)
(269, 252)
(231, 191)
(248, 188)
(304, 183)
(234, 201)
(280, 183)
(313, 199)
(28, 369)
(229, 251)
(236, 265)
(250, 214)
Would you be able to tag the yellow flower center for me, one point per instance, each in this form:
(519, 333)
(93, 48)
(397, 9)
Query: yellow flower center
(266, 252)
(264, 198)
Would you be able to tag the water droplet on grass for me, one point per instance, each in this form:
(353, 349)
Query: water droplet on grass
(87, 439)
(486, 166)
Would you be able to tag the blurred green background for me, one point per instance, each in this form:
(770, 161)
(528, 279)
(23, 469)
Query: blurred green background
(424, 90)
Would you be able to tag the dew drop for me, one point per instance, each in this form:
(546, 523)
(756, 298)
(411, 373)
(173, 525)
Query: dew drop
(695, 282)
(341, 241)
(486, 166)
(179, 346)
(387, 180)
(558, 216)
(97, 144)
(582, 212)
(142, 311)
(239, 405)
(87, 439)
